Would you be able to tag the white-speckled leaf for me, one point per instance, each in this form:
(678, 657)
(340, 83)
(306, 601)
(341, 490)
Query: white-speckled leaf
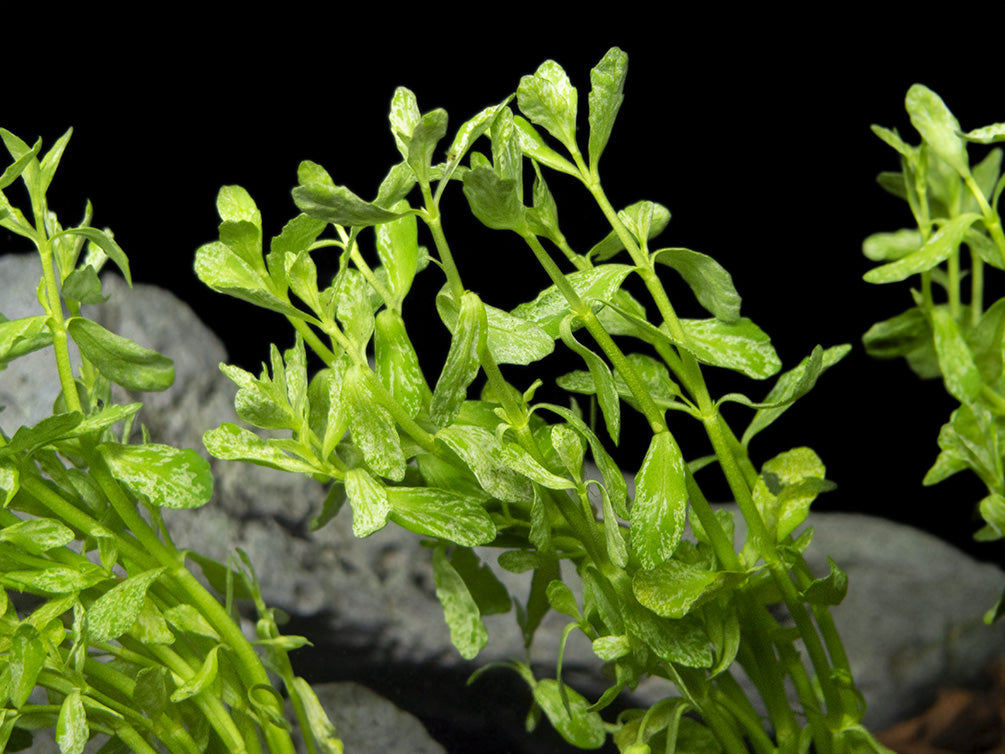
(659, 509)
(550, 307)
(739, 345)
(467, 631)
(673, 588)
(115, 612)
(483, 454)
(962, 378)
(441, 513)
(167, 477)
(368, 498)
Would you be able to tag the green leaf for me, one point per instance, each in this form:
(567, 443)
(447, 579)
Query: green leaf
(533, 145)
(490, 594)
(898, 336)
(335, 204)
(229, 442)
(368, 498)
(548, 99)
(404, 117)
(119, 359)
(320, 725)
(657, 514)
(83, 285)
(21, 163)
(789, 483)
(792, 386)
(21, 336)
(37, 535)
(398, 248)
(594, 285)
(106, 243)
(741, 346)
(603, 380)
(373, 429)
(47, 431)
(397, 364)
(481, 451)
(49, 163)
(55, 579)
(673, 589)
(203, 678)
(937, 126)
(441, 513)
(934, 252)
(829, 590)
(510, 339)
(462, 363)
(712, 285)
(567, 710)
(115, 611)
(225, 271)
(494, 200)
(467, 631)
(467, 134)
(262, 402)
(888, 247)
(187, 618)
(426, 134)
(150, 692)
(26, 659)
(524, 463)
(984, 135)
(607, 82)
(962, 378)
(234, 204)
(165, 476)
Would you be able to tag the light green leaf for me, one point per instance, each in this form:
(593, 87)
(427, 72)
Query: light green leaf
(984, 135)
(462, 363)
(594, 285)
(962, 378)
(20, 164)
(607, 81)
(568, 711)
(889, 247)
(165, 476)
(398, 248)
(187, 618)
(548, 99)
(490, 593)
(494, 200)
(321, 727)
(368, 498)
(115, 611)
(533, 145)
(467, 631)
(119, 359)
(426, 134)
(712, 285)
(467, 134)
(335, 204)
(72, 731)
(26, 659)
(397, 364)
(230, 442)
(673, 588)
(523, 463)
(658, 511)
(404, 116)
(201, 680)
(741, 346)
(510, 339)
(789, 483)
(603, 380)
(938, 248)
(372, 428)
(234, 204)
(21, 336)
(483, 454)
(37, 535)
(441, 513)
(225, 271)
(937, 126)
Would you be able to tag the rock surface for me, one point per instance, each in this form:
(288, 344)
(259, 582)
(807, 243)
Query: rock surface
(912, 618)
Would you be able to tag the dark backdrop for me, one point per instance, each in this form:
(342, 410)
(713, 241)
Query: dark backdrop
(753, 131)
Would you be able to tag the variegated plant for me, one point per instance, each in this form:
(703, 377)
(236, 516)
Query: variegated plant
(498, 468)
(949, 332)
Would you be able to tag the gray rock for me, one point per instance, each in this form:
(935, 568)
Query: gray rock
(911, 621)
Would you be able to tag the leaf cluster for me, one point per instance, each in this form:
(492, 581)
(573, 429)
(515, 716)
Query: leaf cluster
(494, 468)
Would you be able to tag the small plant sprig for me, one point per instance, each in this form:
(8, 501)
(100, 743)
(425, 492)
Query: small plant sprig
(949, 333)
(505, 471)
(118, 637)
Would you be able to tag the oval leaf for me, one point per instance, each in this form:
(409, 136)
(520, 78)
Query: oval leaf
(167, 477)
(659, 509)
(119, 359)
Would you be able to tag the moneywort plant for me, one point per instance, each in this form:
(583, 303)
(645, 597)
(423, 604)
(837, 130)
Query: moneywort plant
(470, 458)
(104, 628)
(949, 333)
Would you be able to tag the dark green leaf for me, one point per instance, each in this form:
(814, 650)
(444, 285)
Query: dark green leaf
(121, 360)
(426, 134)
(898, 336)
(494, 200)
(490, 594)
(336, 204)
(829, 590)
(83, 285)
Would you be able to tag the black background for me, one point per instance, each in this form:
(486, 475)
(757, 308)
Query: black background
(753, 130)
